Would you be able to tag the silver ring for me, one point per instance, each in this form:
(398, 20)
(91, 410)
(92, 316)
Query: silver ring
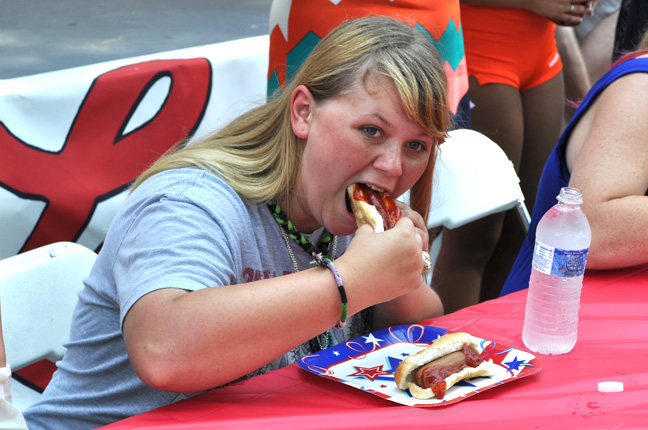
(571, 8)
(427, 261)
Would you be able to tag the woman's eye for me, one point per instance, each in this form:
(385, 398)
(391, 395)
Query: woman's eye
(417, 146)
(371, 131)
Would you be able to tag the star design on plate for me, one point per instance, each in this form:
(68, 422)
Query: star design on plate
(371, 373)
(372, 339)
(515, 364)
(393, 362)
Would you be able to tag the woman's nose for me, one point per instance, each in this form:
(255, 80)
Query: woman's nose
(390, 161)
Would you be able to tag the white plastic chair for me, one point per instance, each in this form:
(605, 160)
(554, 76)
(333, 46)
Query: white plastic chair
(38, 292)
(473, 178)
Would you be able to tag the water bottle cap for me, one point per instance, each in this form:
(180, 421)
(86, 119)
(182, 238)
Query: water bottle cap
(570, 195)
(610, 387)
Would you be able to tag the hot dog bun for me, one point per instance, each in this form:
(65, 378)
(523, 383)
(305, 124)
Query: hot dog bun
(366, 214)
(404, 375)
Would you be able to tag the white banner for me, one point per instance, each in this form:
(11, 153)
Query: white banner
(71, 141)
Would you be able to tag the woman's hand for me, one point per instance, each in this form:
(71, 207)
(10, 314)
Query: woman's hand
(418, 222)
(386, 269)
(563, 12)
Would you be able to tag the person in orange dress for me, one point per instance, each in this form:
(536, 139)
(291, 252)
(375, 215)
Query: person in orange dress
(297, 26)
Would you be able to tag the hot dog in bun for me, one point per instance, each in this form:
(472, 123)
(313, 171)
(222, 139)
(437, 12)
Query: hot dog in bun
(448, 360)
(373, 206)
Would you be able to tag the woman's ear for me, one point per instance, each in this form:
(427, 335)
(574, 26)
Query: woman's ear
(301, 111)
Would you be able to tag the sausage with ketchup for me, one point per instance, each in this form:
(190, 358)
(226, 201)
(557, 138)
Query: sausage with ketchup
(373, 207)
(448, 360)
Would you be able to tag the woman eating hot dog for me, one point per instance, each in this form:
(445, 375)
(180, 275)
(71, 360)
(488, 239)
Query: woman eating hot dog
(206, 275)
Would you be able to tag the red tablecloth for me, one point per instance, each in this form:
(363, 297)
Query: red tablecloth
(612, 346)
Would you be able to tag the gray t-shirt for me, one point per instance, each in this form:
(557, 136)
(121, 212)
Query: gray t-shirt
(183, 228)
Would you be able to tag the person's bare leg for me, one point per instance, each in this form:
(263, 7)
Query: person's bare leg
(543, 115)
(503, 257)
(458, 271)
(498, 114)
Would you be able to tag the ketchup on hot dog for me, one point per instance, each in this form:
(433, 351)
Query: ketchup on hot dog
(384, 204)
(433, 374)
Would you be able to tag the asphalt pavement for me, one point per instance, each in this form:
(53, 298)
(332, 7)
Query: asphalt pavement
(38, 36)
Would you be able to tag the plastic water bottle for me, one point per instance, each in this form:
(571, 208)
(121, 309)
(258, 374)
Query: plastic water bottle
(563, 238)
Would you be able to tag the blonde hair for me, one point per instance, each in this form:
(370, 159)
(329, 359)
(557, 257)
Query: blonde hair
(258, 154)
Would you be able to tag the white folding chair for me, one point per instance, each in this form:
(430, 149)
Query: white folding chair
(473, 178)
(38, 292)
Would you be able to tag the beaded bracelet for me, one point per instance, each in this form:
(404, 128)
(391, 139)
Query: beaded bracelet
(328, 263)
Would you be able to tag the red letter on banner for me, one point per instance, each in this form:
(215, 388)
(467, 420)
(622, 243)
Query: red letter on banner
(98, 160)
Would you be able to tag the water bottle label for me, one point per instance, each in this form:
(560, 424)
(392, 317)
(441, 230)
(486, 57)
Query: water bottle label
(559, 262)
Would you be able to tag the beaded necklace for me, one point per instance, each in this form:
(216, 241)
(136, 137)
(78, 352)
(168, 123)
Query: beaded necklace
(288, 230)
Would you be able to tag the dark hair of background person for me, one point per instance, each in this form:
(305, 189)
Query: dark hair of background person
(632, 23)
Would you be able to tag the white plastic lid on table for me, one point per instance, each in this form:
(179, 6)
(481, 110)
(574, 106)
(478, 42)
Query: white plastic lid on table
(610, 387)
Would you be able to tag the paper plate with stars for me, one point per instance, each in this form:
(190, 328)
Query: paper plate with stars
(369, 362)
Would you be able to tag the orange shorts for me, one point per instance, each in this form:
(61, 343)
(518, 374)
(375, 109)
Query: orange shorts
(509, 46)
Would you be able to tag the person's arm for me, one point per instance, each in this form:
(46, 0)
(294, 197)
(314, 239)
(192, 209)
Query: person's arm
(576, 75)
(558, 11)
(609, 163)
(191, 341)
(419, 304)
(411, 308)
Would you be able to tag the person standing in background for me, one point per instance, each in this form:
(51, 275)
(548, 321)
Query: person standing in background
(516, 87)
(596, 37)
(297, 26)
